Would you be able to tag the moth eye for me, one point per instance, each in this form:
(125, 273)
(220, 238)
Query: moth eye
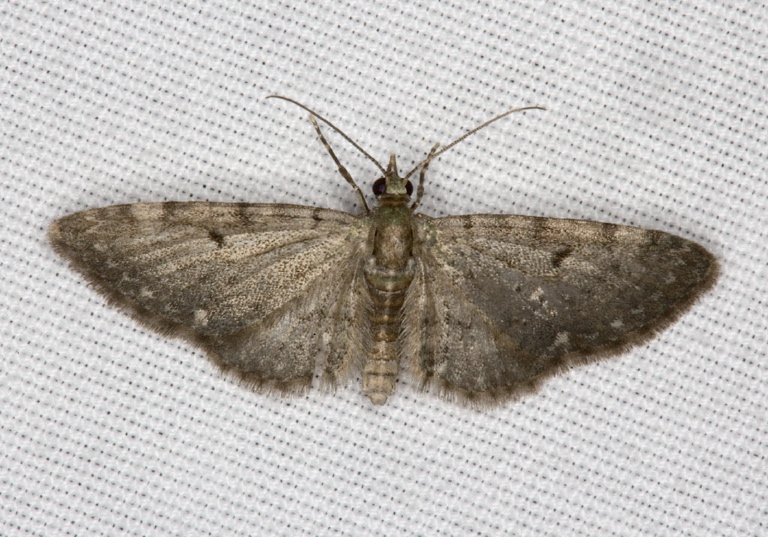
(379, 186)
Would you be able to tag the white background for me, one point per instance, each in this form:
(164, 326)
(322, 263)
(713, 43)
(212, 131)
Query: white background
(656, 117)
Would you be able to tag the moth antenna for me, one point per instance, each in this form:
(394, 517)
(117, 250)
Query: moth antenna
(334, 127)
(433, 156)
(342, 170)
(420, 191)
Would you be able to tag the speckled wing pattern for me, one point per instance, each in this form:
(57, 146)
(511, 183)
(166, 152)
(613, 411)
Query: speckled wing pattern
(483, 307)
(266, 290)
(499, 303)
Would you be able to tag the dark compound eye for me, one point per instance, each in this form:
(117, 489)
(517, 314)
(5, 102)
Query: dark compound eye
(379, 186)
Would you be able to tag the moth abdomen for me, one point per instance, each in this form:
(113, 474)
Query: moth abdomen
(387, 288)
(499, 302)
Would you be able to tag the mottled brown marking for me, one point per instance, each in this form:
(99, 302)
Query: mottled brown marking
(216, 237)
(482, 308)
(560, 255)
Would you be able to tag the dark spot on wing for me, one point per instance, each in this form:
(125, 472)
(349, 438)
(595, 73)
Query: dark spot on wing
(216, 237)
(539, 226)
(655, 237)
(171, 208)
(609, 231)
(243, 213)
(560, 255)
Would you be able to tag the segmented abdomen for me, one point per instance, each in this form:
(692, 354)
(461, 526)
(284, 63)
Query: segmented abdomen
(387, 289)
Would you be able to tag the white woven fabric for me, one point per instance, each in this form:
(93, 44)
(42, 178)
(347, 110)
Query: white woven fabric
(656, 117)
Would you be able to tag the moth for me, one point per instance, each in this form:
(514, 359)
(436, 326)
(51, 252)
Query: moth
(482, 308)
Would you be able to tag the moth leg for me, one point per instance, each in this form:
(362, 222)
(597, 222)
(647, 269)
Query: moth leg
(342, 170)
(420, 190)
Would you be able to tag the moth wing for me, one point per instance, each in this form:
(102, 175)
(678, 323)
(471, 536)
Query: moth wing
(264, 289)
(499, 303)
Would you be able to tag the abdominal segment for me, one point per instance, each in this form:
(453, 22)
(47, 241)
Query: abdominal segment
(387, 289)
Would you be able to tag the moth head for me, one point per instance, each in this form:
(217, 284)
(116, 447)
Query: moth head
(392, 183)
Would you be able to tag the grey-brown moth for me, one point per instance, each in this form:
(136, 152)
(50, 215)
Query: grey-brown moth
(482, 307)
